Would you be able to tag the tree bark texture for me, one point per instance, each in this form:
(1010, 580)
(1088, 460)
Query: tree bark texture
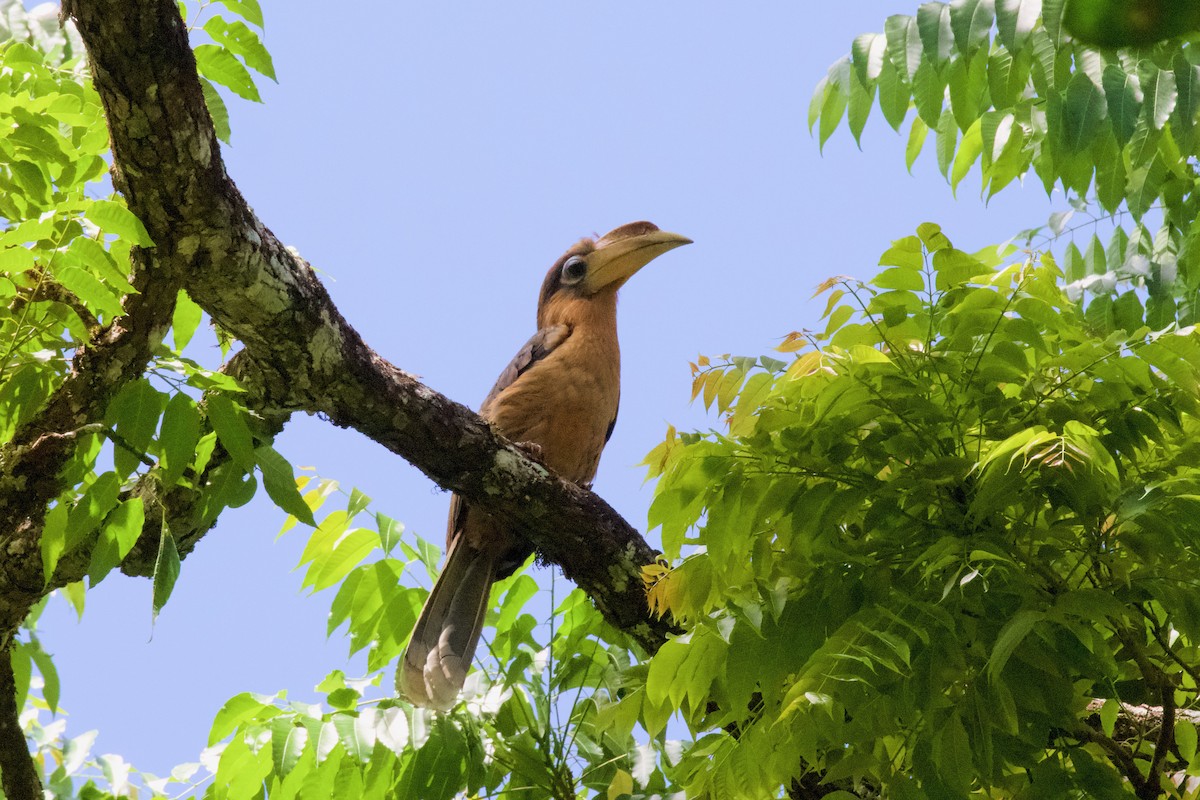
(299, 353)
(18, 773)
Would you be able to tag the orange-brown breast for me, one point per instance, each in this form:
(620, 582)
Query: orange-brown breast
(567, 401)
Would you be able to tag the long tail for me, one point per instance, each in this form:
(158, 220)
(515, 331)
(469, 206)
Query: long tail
(434, 666)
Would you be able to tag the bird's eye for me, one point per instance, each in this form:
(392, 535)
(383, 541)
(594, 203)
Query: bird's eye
(573, 270)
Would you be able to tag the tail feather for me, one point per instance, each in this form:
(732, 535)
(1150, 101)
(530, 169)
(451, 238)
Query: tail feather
(438, 657)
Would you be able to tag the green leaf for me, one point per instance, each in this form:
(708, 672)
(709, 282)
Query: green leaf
(904, 253)
(1160, 312)
(1187, 88)
(904, 44)
(95, 295)
(867, 54)
(859, 107)
(92, 257)
(965, 91)
(228, 486)
(121, 531)
(929, 93)
(1083, 110)
(389, 531)
(216, 109)
(816, 101)
(1094, 259)
(17, 259)
(344, 553)
(933, 23)
(358, 503)
(916, 141)
(997, 129)
(1015, 21)
(1053, 12)
(1110, 172)
(237, 710)
(1159, 91)
(22, 396)
(51, 687)
(221, 67)
(248, 10)
(932, 238)
(1145, 186)
(834, 103)
(54, 539)
(166, 570)
(124, 525)
(1185, 739)
(113, 217)
(288, 740)
(1043, 66)
(280, 483)
(33, 138)
(899, 278)
(1010, 636)
(178, 437)
(1124, 97)
(971, 21)
(32, 179)
(1127, 311)
(242, 42)
(967, 155)
(134, 414)
(229, 421)
(999, 74)
(1108, 715)
(894, 94)
(356, 735)
(947, 139)
(185, 320)
(952, 753)
(92, 508)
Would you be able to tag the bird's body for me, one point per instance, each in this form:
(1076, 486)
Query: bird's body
(560, 394)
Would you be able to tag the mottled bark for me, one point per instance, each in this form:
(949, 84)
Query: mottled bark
(300, 353)
(18, 773)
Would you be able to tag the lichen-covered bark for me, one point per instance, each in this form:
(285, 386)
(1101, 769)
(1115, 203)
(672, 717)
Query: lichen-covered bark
(300, 353)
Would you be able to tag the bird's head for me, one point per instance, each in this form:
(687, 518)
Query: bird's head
(597, 268)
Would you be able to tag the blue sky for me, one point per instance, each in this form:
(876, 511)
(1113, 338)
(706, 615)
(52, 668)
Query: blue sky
(432, 161)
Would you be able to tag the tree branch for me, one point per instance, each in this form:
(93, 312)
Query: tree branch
(32, 463)
(18, 773)
(299, 349)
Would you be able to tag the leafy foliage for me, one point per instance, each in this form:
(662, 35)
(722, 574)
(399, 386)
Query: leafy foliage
(923, 547)
(1004, 86)
(540, 718)
(235, 49)
(938, 549)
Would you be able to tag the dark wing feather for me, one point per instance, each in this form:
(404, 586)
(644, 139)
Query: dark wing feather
(540, 345)
(613, 424)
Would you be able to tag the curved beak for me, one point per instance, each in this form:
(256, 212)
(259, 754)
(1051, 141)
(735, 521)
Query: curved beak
(623, 251)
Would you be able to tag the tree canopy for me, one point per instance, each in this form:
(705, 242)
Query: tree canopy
(944, 546)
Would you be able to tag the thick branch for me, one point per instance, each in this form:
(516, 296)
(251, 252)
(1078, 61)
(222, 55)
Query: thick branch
(305, 355)
(18, 773)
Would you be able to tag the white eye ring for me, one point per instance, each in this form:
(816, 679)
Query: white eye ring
(573, 270)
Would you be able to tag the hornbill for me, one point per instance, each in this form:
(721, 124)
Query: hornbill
(558, 396)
